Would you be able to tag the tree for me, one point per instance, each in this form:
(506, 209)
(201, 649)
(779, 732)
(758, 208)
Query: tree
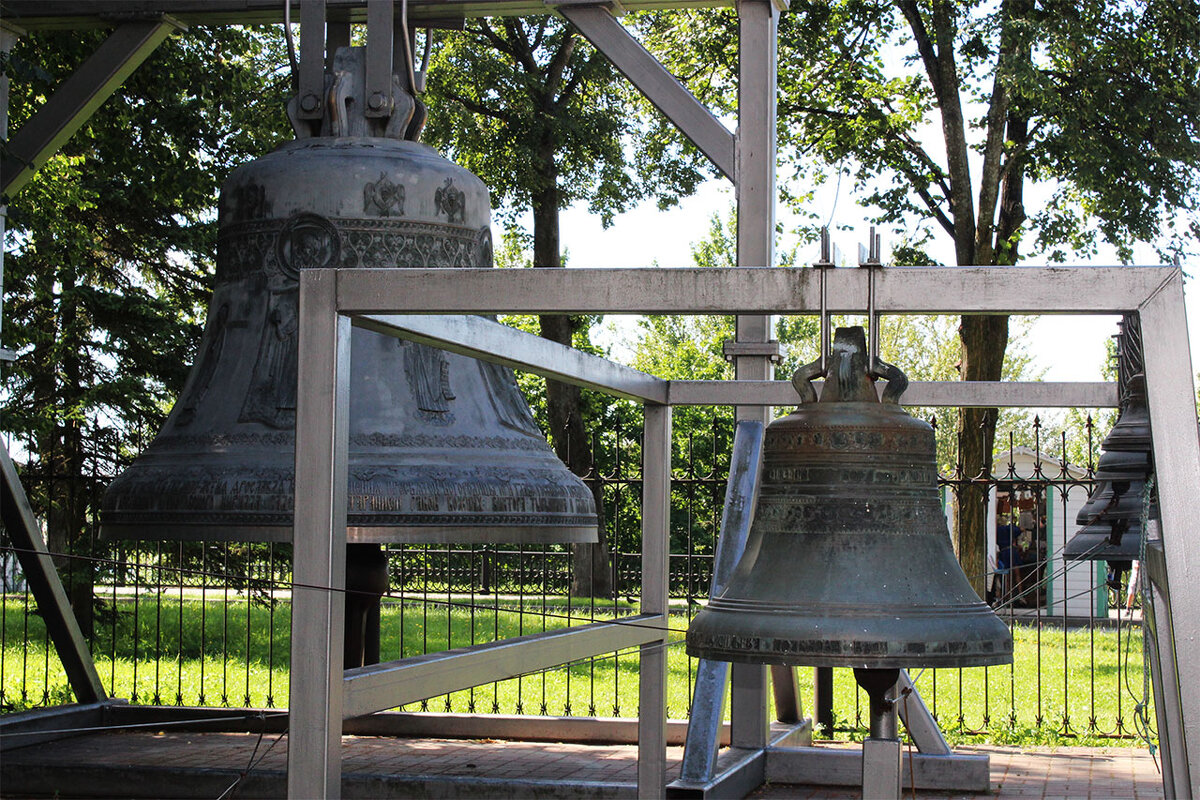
(109, 254)
(546, 121)
(945, 113)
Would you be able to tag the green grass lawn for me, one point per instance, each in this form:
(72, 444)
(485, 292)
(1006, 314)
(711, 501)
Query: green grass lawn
(1063, 688)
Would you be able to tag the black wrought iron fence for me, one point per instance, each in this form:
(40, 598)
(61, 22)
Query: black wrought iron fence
(207, 623)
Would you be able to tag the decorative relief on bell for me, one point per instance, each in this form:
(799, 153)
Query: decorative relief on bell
(450, 201)
(510, 407)
(206, 364)
(307, 241)
(271, 397)
(428, 375)
(383, 197)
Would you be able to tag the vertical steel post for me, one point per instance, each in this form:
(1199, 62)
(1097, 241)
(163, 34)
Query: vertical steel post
(1177, 465)
(652, 674)
(319, 541)
(310, 103)
(755, 186)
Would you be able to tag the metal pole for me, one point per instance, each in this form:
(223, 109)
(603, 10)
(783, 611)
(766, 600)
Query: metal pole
(756, 194)
(652, 674)
(319, 541)
(1177, 465)
(712, 677)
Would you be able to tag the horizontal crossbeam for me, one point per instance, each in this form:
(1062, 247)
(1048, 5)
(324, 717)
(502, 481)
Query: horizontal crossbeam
(923, 290)
(71, 14)
(382, 686)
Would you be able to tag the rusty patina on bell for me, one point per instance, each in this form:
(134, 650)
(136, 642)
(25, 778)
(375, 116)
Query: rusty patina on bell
(849, 561)
(442, 447)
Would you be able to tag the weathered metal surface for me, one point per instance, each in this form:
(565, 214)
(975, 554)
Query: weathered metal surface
(753, 290)
(849, 561)
(441, 447)
(1112, 516)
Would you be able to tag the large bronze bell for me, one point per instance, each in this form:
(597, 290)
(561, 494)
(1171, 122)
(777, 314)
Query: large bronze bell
(849, 561)
(442, 448)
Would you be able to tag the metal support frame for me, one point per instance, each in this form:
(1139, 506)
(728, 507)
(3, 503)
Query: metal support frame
(321, 694)
(712, 677)
(750, 154)
(757, 197)
(47, 589)
(660, 87)
(1155, 293)
(78, 97)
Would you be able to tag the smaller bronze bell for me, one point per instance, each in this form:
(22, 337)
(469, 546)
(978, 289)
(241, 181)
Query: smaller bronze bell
(1112, 516)
(849, 561)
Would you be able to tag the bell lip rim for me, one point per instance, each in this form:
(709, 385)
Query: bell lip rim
(750, 657)
(355, 534)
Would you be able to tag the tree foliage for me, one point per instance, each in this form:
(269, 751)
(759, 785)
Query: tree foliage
(546, 121)
(944, 113)
(109, 248)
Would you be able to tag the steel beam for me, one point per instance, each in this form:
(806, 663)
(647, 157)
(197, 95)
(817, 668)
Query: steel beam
(74, 14)
(319, 541)
(381, 686)
(756, 194)
(52, 603)
(825, 766)
(1172, 405)
(488, 340)
(78, 97)
(310, 78)
(712, 677)
(934, 394)
(1156, 615)
(918, 721)
(923, 290)
(651, 78)
(656, 543)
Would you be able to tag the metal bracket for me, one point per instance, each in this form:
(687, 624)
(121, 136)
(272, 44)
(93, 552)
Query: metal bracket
(310, 99)
(732, 349)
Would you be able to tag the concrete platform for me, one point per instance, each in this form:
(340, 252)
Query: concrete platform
(175, 764)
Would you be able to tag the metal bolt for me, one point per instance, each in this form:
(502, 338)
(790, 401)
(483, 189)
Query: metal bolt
(377, 100)
(310, 102)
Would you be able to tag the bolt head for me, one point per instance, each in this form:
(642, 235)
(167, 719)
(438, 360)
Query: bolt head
(310, 102)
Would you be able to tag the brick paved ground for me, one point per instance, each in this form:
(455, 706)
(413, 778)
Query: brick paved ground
(148, 764)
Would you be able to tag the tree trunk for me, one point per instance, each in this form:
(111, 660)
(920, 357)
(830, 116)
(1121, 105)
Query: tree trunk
(591, 566)
(61, 453)
(984, 340)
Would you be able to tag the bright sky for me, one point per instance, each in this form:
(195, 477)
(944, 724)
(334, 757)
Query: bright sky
(1070, 348)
